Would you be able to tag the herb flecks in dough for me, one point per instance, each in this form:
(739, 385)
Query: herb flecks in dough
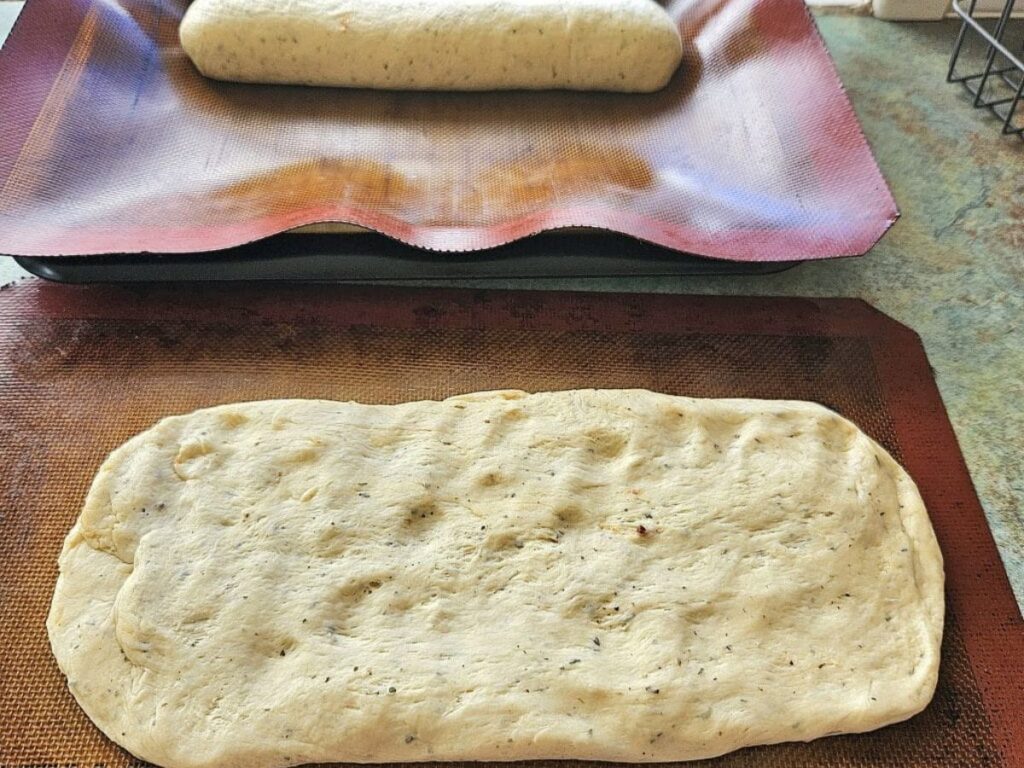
(612, 575)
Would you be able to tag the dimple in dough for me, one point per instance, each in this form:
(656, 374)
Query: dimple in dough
(609, 45)
(594, 574)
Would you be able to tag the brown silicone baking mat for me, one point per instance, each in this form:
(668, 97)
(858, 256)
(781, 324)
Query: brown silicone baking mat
(113, 143)
(83, 368)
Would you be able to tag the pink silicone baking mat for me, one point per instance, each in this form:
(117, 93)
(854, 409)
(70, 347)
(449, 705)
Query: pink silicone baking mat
(82, 368)
(113, 143)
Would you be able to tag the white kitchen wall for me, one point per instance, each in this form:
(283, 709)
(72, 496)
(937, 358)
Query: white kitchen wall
(8, 13)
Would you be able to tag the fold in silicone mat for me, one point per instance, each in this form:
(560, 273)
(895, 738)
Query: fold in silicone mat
(114, 143)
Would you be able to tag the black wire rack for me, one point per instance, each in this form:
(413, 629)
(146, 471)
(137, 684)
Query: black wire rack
(996, 73)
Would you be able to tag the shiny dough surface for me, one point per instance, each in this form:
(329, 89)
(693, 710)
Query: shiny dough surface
(608, 45)
(595, 574)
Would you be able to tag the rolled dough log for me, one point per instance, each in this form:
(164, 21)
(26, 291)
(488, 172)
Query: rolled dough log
(607, 575)
(610, 45)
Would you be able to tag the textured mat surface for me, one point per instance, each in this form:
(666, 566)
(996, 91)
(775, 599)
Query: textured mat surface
(82, 369)
(114, 143)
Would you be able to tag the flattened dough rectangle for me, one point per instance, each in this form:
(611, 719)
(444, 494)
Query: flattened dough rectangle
(593, 574)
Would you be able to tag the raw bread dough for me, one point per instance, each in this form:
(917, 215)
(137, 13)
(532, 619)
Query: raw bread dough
(611, 575)
(609, 45)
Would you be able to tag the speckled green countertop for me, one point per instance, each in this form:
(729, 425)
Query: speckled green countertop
(953, 266)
